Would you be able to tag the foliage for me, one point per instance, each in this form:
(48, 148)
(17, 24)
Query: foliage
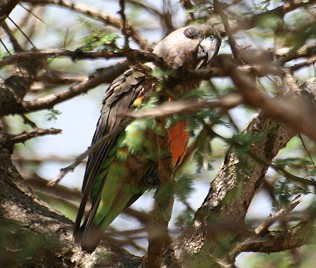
(52, 115)
(102, 39)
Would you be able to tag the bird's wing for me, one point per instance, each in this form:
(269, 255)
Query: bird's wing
(119, 99)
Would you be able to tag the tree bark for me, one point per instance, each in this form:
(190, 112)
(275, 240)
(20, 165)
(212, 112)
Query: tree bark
(32, 234)
(219, 222)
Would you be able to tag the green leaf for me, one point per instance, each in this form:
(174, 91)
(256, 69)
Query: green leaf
(184, 220)
(105, 40)
(52, 114)
(183, 186)
(161, 74)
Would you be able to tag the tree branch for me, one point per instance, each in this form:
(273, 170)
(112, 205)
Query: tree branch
(91, 149)
(6, 7)
(97, 15)
(229, 197)
(219, 9)
(293, 111)
(275, 241)
(158, 236)
(35, 133)
(37, 233)
(184, 107)
(263, 228)
(52, 53)
(280, 12)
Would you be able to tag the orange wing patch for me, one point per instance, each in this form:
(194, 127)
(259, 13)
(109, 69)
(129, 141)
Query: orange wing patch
(178, 138)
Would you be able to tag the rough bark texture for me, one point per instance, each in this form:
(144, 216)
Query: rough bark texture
(219, 221)
(33, 235)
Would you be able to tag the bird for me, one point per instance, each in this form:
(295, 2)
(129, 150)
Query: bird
(125, 165)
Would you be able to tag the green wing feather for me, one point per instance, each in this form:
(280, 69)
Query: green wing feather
(115, 176)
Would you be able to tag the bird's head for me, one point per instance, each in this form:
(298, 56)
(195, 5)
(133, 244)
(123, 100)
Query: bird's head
(190, 47)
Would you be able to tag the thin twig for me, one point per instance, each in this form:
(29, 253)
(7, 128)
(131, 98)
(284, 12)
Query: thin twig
(26, 37)
(13, 40)
(32, 13)
(307, 62)
(35, 133)
(70, 168)
(280, 12)
(219, 9)
(281, 214)
(188, 6)
(28, 121)
(277, 168)
(306, 150)
(124, 25)
(97, 15)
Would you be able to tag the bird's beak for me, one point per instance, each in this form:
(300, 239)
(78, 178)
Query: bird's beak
(207, 50)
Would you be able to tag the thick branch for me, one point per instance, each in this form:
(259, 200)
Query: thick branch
(10, 103)
(291, 110)
(6, 7)
(231, 193)
(38, 234)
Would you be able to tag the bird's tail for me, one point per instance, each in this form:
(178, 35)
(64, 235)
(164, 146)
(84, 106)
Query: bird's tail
(87, 234)
(102, 213)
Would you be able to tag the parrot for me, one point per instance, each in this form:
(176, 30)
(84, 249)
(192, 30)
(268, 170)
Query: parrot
(125, 165)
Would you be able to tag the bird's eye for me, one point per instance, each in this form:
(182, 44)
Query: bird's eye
(191, 33)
